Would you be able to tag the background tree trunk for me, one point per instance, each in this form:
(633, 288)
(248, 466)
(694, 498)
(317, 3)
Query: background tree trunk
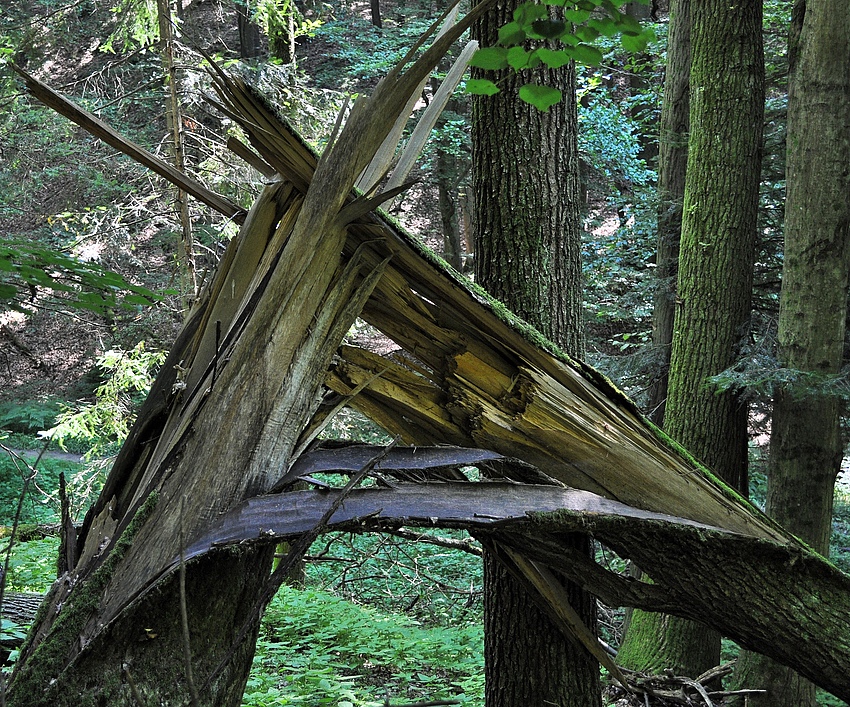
(249, 31)
(672, 164)
(805, 443)
(174, 119)
(714, 284)
(527, 254)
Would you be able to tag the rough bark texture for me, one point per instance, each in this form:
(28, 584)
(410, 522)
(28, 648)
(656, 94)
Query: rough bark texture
(805, 444)
(527, 255)
(250, 361)
(715, 278)
(672, 163)
(525, 186)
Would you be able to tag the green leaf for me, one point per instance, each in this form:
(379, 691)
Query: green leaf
(481, 87)
(549, 29)
(606, 26)
(586, 34)
(628, 24)
(554, 59)
(7, 291)
(541, 97)
(586, 54)
(511, 33)
(518, 58)
(637, 43)
(490, 58)
(528, 12)
(577, 16)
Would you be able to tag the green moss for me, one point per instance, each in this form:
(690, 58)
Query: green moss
(40, 670)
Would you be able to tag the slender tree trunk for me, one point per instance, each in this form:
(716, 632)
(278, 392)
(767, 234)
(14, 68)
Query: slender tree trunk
(375, 6)
(805, 444)
(174, 118)
(672, 164)
(282, 32)
(527, 254)
(714, 284)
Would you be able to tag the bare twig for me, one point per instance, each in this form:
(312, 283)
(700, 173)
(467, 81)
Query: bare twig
(134, 691)
(467, 545)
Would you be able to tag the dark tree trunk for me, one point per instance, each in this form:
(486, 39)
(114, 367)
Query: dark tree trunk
(527, 254)
(249, 32)
(375, 6)
(805, 443)
(714, 284)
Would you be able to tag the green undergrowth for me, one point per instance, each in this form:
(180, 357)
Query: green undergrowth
(317, 649)
(40, 503)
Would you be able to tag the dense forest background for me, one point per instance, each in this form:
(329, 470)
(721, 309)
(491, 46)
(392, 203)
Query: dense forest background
(97, 276)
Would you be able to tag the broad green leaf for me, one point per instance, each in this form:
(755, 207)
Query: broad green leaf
(628, 24)
(490, 58)
(606, 26)
(7, 291)
(481, 87)
(586, 34)
(637, 43)
(518, 58)
(577, 16)
(528, 12)
(586, 54)
(549, 29)
(511, 33)
(541, 97)
(554, 59)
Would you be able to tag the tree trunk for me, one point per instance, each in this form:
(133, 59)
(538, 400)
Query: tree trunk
(174, 118)
(714, 283)
(282, 32)
(221, 424)
(805, 444)
(527, 255)
(375, 6)
(249, 31)
(672, 163)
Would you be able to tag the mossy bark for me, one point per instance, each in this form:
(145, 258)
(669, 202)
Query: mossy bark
(137, 659)
(715, 280)
(527, 255)
(672, 163)
(805, 444)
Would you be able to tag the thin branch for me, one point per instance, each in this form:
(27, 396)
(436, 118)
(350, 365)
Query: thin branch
(464, 545)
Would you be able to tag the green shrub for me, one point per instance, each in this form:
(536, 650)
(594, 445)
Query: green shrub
(30, 416)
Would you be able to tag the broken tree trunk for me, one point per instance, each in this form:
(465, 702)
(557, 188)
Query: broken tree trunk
(225, 422)
(220, 426)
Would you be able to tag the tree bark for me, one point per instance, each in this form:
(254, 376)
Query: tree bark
(282, 32)
(174, 119)
(672, 165)
(527, 255)
(806, 444)
(714, 282)
(249, 31)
